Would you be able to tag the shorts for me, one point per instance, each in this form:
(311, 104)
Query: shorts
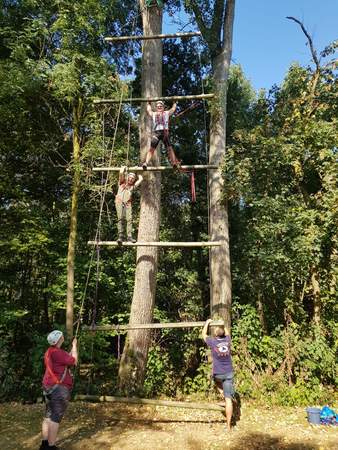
(227, 381)
(160, 135)
(56, 403)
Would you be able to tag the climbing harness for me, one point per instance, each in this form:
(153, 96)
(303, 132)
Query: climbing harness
(57, 382)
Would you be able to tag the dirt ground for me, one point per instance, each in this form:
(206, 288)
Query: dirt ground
(89, 426)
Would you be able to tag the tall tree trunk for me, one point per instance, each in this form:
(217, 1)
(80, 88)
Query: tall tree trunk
(135, 353)
(316, 296)
(45, 303)
(219, 39)
(260, 312)
(77, 111)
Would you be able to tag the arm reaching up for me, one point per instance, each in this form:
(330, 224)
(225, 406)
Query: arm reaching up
(74, 352)
(205, 329)
(172, 109)
(122, 174)
(139, 181)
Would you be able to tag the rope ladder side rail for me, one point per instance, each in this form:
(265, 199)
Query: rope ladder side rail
(154, 99)
(156, 244)
(150, 326)
(152, 36)
(146, 401)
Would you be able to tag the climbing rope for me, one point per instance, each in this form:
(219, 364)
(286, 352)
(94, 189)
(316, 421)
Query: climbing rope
(103, 192)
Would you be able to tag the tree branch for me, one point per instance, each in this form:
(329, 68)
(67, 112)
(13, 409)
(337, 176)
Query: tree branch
(199, 19)
(316, 74)
(313, 51)
(228, 25)
(217, 21)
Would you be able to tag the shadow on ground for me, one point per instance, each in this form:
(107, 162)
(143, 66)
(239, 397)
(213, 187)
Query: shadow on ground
(262, 441)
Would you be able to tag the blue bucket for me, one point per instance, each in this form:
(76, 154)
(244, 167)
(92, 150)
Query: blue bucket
(313, 415)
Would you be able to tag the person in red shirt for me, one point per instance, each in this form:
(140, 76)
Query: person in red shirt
(57, 384)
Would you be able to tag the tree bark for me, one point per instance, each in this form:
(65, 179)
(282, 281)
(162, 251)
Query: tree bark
(219, 39)
(260, 311)
(316, 296)
(135, 353)
(77, 111)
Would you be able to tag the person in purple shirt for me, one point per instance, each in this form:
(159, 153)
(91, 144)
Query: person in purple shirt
(222, 370)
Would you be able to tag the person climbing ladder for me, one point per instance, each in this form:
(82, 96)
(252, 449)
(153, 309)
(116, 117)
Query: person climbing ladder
(160, 122)
(123, 202)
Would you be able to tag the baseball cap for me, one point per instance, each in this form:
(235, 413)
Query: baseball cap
(132, 174)
(54, 337)
(159, 103)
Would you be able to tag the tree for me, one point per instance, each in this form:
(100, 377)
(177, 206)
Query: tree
(77, 73)
(134, 358)
(215, 21)
(286, 207)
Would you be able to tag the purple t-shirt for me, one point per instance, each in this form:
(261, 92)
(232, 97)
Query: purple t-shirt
(221, 354)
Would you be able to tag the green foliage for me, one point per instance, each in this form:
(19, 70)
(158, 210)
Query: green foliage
(292, 366)
(159, 373)
(201, 381)
(280, 177)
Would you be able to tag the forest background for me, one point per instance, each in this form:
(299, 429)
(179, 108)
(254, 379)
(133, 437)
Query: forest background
(280, 174)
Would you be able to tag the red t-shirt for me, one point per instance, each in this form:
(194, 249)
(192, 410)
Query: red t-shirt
(58, 360)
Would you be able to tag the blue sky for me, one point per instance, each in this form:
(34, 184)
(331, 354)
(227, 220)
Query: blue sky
(265, 43)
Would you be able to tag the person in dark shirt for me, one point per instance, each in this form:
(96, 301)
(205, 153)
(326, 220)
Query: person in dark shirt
(222, 369)
(57, 384)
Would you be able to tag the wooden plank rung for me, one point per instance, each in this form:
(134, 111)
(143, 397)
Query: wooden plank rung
(153, 99)
(156, 244)
(148, 401)
(150, 326)
(153, 36)
(156, 168)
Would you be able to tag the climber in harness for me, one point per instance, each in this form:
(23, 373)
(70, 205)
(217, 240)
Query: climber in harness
(160, 122)
(123, 203)
(57, 384)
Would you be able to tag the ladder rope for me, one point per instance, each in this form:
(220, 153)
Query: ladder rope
(102, 202)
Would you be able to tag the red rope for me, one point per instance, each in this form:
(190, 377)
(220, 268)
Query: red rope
(192, 183)
(193, 190)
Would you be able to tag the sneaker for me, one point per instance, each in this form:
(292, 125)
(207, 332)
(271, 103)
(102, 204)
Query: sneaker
(131, 239)
(144, 166)
(120, 239)
(177, 165)
(53, 447)
(44, 445)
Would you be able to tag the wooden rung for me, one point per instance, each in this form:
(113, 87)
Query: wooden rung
(153, 99)
(148, 401)
(154, 36)
(156, 244)
(151, 326)
(155, 168)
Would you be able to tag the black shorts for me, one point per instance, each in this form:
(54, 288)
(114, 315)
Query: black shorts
(227, 383)
(56, 403)
(161, 135)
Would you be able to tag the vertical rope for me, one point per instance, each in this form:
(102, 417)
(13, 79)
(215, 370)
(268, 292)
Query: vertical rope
(104, 182)
(118, 347)
(128, 143)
